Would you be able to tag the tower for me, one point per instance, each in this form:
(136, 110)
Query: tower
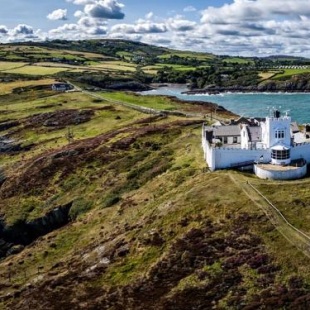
(277, 136)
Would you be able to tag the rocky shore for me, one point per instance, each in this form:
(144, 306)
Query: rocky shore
(240, 89)
(297, 84)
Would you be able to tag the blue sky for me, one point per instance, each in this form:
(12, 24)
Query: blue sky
(235, 27)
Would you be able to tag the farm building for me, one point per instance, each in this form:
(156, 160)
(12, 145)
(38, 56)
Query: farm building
(61, 86)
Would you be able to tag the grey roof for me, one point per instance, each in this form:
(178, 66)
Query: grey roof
(255, 133)
(229, 131)
(294, 127)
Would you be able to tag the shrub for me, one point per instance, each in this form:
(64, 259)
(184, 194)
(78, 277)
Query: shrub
(111, 199)
(73, 181)
(79, 207)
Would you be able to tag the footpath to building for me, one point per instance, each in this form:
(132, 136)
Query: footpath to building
(295, 236)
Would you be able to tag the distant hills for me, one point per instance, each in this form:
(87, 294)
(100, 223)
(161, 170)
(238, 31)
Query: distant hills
(105, 63)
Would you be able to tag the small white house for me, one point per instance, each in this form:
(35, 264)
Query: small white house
(273, 144)
(61, 86)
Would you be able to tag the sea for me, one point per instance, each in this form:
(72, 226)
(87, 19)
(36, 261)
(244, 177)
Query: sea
(297, 105)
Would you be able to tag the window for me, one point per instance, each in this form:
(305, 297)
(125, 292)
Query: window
(225, 140)
(235, 139)
(279, 134)
(280, 154)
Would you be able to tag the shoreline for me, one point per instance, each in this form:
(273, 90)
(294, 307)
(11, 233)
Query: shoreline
(224, 90)
(239, 91)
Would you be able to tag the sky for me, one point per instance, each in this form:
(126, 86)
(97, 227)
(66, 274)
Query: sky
(230, 27)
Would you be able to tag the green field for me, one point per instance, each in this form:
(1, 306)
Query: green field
(200, 56)
(155, 68)
(290, 72)
(36, 70)
(114, 65)
(238, 60)
(6, 65)
(7, 88)
(154, 102)
(268, 74)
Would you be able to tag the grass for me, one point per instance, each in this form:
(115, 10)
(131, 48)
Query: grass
(238, 60)
(290, 72)
(126, 55)
(161, 202)
(7, 88)
(200, 56)
(4, 65)
(292, 200)
(36, 70)
(156, 67)
(158, 181)
(115, 65)
(267, 75)
(155, 102)
(41, 52)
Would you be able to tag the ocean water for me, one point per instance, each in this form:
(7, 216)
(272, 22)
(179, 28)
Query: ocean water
(249, 104)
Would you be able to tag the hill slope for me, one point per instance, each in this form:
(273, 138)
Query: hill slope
(107, 203)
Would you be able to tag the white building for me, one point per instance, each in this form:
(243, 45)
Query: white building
(61, 87)
(274, 146)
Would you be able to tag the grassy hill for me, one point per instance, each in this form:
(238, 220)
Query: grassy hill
(107, 203)
(103, 62)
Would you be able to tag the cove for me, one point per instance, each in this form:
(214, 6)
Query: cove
(248, 104)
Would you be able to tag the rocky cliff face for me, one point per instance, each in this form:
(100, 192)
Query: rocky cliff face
(298, 83)
(14, 237)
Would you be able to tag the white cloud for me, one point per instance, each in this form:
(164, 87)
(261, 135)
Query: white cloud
(79, 14)
(253, 10)
(22, 29)
(3, 29)
(190, 8)
(108, 9)
(92, 26)
(244, 27)
(82, 2)
(92, 21)
(65, 27)
(140, 27)
(179, 24)
(149, 15)
(58, 15)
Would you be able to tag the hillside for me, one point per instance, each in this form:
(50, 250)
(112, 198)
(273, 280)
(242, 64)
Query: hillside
(126, 65)
(107, 203)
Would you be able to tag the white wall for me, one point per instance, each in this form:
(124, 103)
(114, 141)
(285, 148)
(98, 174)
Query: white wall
(224, 157)
(291, 174)
(208, 154)
(220, 158)
(244, 137)
(301, 151)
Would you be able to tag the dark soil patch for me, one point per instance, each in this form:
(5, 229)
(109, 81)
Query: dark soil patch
(59, 119)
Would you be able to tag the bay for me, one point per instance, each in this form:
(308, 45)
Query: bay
(248, 104)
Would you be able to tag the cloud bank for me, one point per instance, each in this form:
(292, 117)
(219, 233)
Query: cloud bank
(243, 27)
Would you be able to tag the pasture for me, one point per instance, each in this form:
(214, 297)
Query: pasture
(36, 70)
(290, 72)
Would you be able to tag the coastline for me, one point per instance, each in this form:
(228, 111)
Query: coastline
(242, 91)
(226, 90)
(250, 103)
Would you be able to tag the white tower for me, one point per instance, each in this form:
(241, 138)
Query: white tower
(276, 135)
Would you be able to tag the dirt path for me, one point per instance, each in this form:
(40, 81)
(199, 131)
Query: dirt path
(291, 233)
(143, 109)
